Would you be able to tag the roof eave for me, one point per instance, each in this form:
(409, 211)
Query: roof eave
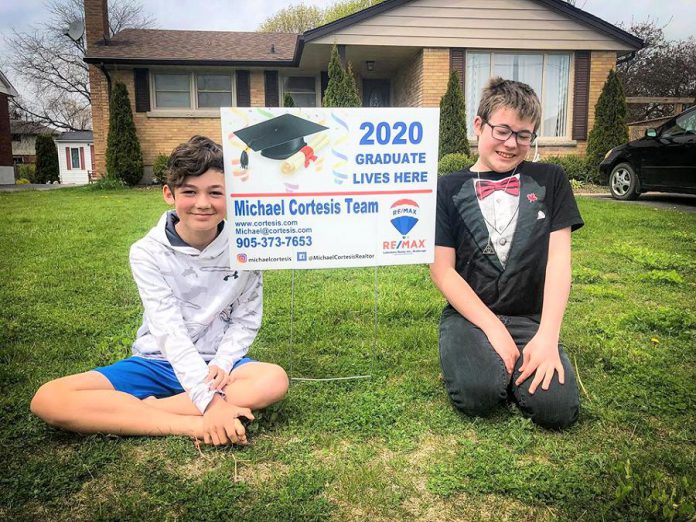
(179, 61)
(557, 5)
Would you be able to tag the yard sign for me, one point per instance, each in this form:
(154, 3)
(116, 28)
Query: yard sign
(330, 187)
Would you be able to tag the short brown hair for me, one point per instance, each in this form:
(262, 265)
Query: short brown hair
(520, 97)
(193, 158)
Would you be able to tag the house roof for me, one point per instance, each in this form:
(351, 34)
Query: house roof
(156, 46)
(77, 136)
(29, 127)
(169, 47)
(6, 86)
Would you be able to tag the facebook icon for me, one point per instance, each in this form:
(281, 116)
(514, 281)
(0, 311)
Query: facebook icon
(302, 256)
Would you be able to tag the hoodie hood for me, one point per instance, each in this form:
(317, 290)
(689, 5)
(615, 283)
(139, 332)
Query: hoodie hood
(159, 235)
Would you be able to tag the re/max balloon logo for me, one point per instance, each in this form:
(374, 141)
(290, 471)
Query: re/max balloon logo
(404, 215)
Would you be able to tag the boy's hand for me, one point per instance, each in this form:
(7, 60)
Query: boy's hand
(505, 346)
(217, 377)
(221, 424)
(541, 356)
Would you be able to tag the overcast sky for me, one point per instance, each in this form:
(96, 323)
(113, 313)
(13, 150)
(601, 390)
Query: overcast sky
(678, 16)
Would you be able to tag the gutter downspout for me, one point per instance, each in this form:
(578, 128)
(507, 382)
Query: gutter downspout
(102, 68)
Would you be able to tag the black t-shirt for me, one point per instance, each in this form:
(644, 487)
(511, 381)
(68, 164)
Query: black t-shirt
(546, 204)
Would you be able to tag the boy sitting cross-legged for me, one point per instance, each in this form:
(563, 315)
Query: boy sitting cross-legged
(502, 261)
(189, 374)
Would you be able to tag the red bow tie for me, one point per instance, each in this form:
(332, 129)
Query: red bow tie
(485, 188)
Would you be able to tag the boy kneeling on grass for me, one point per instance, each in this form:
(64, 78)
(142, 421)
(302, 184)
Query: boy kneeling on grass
(502, 261)
(189, 374)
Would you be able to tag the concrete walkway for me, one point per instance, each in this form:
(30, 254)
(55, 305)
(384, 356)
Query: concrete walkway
(34, 186)
(661, 200)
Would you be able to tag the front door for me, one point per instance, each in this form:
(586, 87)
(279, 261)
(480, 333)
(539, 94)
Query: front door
(376, 93)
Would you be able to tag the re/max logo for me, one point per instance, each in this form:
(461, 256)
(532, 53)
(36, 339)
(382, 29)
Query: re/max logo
(404, 244)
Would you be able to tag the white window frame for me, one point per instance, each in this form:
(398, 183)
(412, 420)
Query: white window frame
(567, 138)
(193, 91)
(317, 86)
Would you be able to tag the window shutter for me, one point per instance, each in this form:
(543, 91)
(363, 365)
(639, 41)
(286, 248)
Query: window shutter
(142, 90)
(458, 64)
(82, 158)
(243, 89)
(271, 88)
(324, 84)
(581, 97)
(67, 158)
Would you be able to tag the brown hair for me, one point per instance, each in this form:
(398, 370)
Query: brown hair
(520, 97)
(193, 158)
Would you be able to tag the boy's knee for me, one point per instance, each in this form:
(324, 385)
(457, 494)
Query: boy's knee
(277, 381)
(553, 411)
(47, 403)
(477, 399)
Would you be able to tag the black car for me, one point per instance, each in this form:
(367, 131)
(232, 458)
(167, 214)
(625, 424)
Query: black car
(664, 160)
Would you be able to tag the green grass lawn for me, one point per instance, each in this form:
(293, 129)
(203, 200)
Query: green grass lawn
(388, 448)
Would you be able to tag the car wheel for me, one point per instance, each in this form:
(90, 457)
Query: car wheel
(623, 182)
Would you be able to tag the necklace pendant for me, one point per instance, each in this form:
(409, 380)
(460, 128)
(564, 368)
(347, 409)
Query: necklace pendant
(488, 249)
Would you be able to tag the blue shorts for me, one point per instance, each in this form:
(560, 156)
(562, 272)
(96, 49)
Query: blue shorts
(147, 377)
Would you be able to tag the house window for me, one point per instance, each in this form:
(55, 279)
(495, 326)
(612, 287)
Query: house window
(192, 90)
(547, 73)
(214, 90)
(302, 89)
(173, 91)
(75, 158)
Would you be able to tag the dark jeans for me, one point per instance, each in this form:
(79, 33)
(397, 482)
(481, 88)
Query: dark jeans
(477, 382)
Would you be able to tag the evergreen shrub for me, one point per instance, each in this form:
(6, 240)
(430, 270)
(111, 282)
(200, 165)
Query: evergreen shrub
(46, 160)
(124, 160)
(609, 128)
(159, 169)
(453, 133)
(454, 162)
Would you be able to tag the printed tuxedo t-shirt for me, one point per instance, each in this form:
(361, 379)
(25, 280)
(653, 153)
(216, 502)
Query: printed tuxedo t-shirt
(546, 204)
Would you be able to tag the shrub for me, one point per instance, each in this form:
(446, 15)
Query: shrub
(341, 90)
(108, 184)
(610, 128)
(46, 159)
(159, 169)
(288, 101)
(453, 134)
(22, 181)
(28, 171)
(454, 162)
(124, 159)
(575, 166)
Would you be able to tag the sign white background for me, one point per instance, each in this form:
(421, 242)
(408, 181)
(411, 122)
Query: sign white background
(335, 209)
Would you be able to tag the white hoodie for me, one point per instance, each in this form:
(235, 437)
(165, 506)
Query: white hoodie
(197, 309)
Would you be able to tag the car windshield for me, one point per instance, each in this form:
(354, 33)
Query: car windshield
(684, 124)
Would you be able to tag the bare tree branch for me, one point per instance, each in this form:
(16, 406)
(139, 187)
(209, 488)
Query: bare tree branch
(52, 66)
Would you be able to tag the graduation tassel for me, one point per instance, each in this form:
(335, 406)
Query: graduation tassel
(244, 159)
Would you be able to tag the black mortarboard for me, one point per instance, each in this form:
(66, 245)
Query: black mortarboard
(277, 138)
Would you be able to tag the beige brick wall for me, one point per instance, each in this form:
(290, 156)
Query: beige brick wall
(601, 62)
(258, 89)
(434, 76)
(100, 117)
(407, 84)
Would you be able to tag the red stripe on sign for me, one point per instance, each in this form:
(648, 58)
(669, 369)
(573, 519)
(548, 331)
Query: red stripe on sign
(314, 194)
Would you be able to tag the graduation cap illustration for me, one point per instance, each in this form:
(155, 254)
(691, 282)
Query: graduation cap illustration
(277, 138)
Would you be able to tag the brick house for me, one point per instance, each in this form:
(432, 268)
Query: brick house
(401, 51)
(6, 164)
(24, 134)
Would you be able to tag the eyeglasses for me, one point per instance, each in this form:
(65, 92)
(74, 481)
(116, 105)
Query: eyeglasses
(503, 133)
